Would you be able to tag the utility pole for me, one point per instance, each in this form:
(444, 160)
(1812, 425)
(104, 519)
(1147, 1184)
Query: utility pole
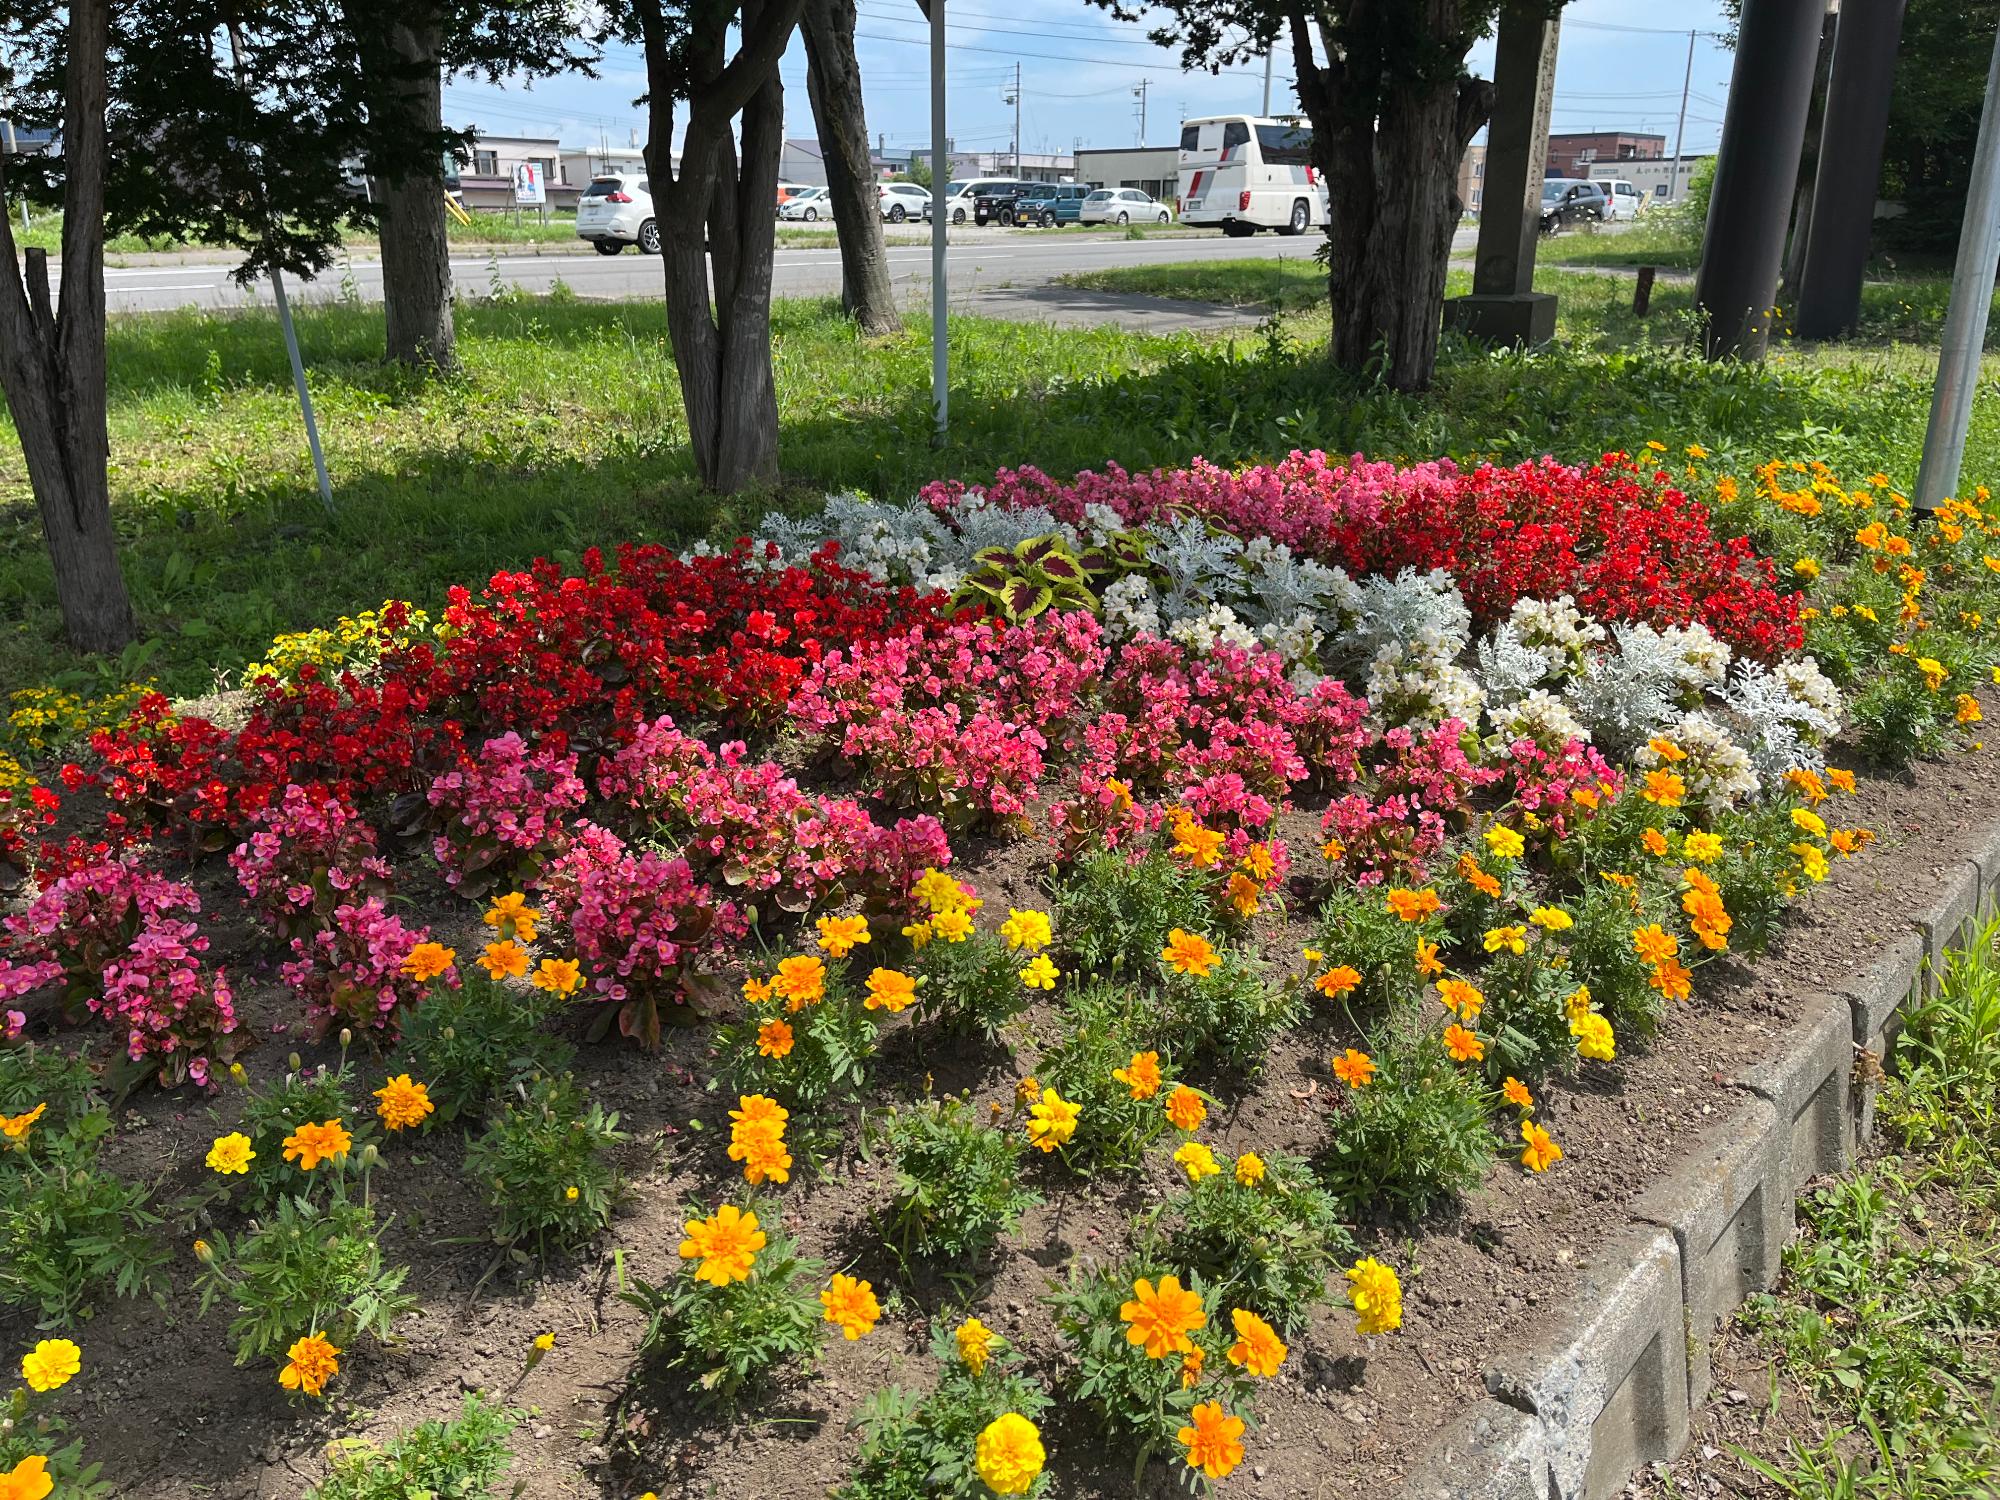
(1267, 77)
(1965, 321)
(1680, 127)
(940, 171)
(1015, 99)
(1139, 93)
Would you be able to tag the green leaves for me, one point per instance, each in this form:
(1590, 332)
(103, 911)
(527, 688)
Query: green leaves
(310, 1269)
(958, 1182)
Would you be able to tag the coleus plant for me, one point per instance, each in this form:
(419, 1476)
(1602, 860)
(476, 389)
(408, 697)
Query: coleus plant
(1045, 572)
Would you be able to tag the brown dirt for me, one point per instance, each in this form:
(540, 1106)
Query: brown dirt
(163, 1409)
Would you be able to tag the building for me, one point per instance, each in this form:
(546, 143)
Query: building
(1033, 166)
(1664, 180)
(1586, 153)
(486, 174)
(800, 161)
(1472, 177)
(1151, 169)
(580, 165)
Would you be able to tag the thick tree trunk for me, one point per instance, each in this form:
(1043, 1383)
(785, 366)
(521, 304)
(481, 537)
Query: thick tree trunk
(52, 362)
(723, 356)
(833, 80)
(416, 254)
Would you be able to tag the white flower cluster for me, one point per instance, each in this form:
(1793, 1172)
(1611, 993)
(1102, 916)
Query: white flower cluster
(1419, 681)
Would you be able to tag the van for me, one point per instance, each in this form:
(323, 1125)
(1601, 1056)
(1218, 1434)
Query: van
(1622, 199)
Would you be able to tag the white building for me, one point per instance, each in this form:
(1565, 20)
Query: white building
(1660, 179)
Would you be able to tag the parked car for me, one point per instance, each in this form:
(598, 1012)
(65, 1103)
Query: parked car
(996, 204)
(961, 195)
(1624, 200)
(1123, 206)
(902, 200)
(616, 210)
(807, 205)
(1050, 206)
(1566, 201)
(787, 189)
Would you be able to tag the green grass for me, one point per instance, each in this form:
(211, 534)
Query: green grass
(565, 431)
(1280, 285)
(494, 228)
(1661, 244)
(1888, 1317)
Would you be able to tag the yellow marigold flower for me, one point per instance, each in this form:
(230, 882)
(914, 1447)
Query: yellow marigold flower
(1008, 1454)
(1258, 1350)
(840, 936)
(1213, 1439)
(1337, 981)
(1593, 1037)
(558, 976)
(1702, 846)
(1653, 944)
(1413, 906)
(1189, 953)
(1428, 962)
(1934, 672)
(1516, 1093)
(50, 1364)
(544, 1342)
(725, 1243)
(312, 1144)
(1141, 1075)
(851, 1304)
(1259, 863)
(800, 981)
(230, 1155)
(1462, 1044)
(758, 1112)
(1504, 842)
(975, 1345)
(919, 933)
(1354, 1068)
(1725, 489)
(1199, 846)
(1655, 842)
(1376, 1294)
(426, 961)
(954, 925)
(1040, 974)
(511, 916)
(1623, 882)
(1461, 999)
(1244, 894)
(1159, 1319)
(1027, 1091)
(1968, 711)
(1185, 1108)
(1249, 1169)
(1577, 1002)
(1542, 1152)
(504, 959)
(1196, 1160)
(1551, 919)
(310, 1363)
(1663, 788)
(1512, 939)
(1027, 929)
(891, 990)
(937, 890)
(571, 1194)
(1052, 1121)
(403, 1102)
(1812, 861)
(1806, 568)
(774, 1039)
(1808, 822)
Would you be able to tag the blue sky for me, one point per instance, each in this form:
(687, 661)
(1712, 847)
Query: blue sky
(1621, 67)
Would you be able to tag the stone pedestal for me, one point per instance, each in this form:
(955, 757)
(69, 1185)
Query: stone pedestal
(1511, 318)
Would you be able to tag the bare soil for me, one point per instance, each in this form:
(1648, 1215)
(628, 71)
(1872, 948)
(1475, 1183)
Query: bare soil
(161, 1406)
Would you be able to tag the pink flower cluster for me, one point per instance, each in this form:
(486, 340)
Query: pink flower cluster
(1546, 781)
(170, 1006)
(746, 825)
(1421, 782)
(309, 852)
(505, 811)
(351, 970)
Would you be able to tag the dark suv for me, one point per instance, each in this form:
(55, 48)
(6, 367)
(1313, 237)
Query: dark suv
(997, 204)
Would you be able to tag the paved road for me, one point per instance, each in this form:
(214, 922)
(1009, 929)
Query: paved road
(1017, 259)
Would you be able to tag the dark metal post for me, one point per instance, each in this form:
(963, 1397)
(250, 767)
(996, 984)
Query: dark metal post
(1756, 172)
(1850, 168)
(1504, 307)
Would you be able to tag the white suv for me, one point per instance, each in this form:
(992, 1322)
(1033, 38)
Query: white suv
(902, 200)
(1622, 199)
(616, 210)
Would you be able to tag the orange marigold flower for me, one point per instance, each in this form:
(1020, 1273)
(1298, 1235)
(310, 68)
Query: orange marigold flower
(774, 1039)
(1469, 871)
(1354, 1068)
(1159, 1319)
(800, 981)
(1413, 906)
(558, 976)
(890, 990)
(426, 961)
(504, 959)
(851, 1304)
(1337, 981)
(1141, 1075)
(1462, 1044)
(1542, 1152)
(1244, 894)
(1258, 1350)
(1516, 1093)
(1199, 846)
(1185, 1108)
(1460, 998)
(1189, 953)
(402, 1102)
(1653, 944)
(725, 1243)
(1841, 780)
(1655, 842)
(310, 1363)
(840, 936)
(1428, 962)
(312, 1144)
(1672, 979)
(1214, 1440)
(1664, 788)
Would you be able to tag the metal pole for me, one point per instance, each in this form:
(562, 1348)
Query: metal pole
(940, 171)
(299, 383)
(1680, 127)
(1971, 297)
(1267, 77)
(1017, 119)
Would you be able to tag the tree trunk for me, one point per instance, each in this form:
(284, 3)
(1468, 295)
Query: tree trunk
(52, 362)
(416, 253)
(833, 81)
(1802, 200)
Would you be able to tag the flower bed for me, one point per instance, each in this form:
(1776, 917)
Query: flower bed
(1434, 789)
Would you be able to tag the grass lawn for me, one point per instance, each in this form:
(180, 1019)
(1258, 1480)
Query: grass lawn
(565, 432)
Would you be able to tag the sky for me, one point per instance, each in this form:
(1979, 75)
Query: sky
(1621, 67)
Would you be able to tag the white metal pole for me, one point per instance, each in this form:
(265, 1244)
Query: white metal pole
(1680, 127)
(940, 175)
(1267, 76)
(1971, 298)
(299, 382)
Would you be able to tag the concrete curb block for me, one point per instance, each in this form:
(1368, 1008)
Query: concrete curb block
(1570, 1415)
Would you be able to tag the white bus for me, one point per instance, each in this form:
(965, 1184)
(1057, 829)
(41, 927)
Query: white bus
(1247, 173)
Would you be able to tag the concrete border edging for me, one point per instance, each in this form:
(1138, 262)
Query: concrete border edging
(1571, 1414)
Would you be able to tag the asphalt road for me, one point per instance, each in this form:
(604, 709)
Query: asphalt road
(979, 265)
